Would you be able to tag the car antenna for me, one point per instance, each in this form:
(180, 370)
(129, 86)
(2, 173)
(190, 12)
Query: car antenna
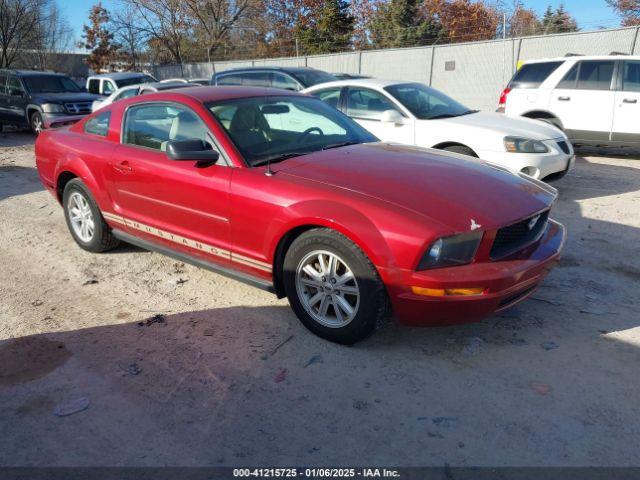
(269, 172)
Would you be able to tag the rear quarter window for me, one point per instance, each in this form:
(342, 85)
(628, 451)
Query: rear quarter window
(531, 75)
(98, 125)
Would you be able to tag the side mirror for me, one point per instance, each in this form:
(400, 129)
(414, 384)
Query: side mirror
(192, 150)
(16, 92)
(391, 116)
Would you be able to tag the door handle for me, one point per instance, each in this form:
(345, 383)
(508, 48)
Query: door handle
(123, 167)
(630, 100)
(564, 99)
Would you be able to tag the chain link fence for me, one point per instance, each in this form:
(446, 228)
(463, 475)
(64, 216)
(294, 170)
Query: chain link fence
(473, 73)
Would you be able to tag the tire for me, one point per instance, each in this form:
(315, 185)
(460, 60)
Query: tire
(36, 123)
(77, 197)
(370, 305)
(461, 149)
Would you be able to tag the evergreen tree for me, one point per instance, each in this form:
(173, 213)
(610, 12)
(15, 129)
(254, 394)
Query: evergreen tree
(558, 21)
(330, 31)
(401, 23)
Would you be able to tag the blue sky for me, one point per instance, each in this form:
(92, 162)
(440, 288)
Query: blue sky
(590, 14)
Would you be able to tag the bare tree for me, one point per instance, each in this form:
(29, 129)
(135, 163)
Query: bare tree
(53, 34)
(18, 21)
(214, 19)
(130, 36)
(165, 22)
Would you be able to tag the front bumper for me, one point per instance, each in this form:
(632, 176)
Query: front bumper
(55, 120)
(537, 165)
(506, 282)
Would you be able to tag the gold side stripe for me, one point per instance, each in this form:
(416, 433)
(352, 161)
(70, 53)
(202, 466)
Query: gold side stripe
(203, 247)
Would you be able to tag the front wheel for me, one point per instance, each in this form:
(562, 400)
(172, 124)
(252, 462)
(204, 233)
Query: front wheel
(84, 219)
(36, 123)
(333, 287)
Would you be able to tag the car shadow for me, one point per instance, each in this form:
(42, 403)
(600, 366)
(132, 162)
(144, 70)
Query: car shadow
(12, 137)
(16, 180)
(250, 386)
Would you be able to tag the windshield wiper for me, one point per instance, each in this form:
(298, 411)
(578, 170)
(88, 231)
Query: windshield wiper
(452, 115)
(340, 144)
(279, 158)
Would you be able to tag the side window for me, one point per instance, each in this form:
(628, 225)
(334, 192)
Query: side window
(94, 86)
(153, 125)
(631, 76)
(531, 75)
(285, 82)
(595, 75)
(107, 87)
(367, 104)
(131, 92)
(255, 79)
(330, 96)
(3, 84)
(569, 80)
(231, 79)
(14, 87)
(98, 125)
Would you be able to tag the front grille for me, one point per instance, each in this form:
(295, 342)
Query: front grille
(515, 237)
(78, 107)
(564, 146)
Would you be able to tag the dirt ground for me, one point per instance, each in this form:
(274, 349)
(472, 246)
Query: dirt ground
(172, 365)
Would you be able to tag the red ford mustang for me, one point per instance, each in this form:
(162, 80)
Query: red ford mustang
(280, 190)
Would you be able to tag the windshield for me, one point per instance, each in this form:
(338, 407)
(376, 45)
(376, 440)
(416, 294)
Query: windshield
(125, 82)
(276, 128)
(309, 78)
(427, 103)
(50, 84)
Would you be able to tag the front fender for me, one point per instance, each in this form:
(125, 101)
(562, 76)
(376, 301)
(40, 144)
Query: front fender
(348, 221)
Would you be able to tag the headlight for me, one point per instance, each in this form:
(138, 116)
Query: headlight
(450, 251)
(524, 145)
(53, 108)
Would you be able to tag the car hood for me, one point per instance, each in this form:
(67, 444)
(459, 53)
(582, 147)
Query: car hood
(455, 191)
(65, 97)
(500, 123)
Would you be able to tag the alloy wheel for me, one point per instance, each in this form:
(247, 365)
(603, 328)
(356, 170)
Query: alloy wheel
(327, 288)
(81, 217)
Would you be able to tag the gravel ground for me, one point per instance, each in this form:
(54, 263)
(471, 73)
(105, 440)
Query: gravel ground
(166, 364)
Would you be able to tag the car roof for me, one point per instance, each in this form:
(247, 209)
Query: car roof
(576, 57)
(29, 73)
(360, 82)
(119, 75)
(167, 85)
(206, 94)
(273, 68)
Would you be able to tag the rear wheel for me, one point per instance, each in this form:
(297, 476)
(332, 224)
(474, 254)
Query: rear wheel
(84, 219)
(36, 123)
(461, 149)
(333, 287)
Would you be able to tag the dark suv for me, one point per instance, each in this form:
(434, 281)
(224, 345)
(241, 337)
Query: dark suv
(37, 99)
(291, 78)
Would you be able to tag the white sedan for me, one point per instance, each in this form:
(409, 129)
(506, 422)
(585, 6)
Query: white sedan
(140, 89)
(412, 113)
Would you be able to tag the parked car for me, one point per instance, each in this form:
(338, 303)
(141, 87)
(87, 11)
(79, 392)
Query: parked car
(200, 81)
(349, 76)
(135, 90)
(282, 191)
(38, 99)
(415, 114)
(595, 100)
(107, 83)
(174, 80)
(290, 78)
